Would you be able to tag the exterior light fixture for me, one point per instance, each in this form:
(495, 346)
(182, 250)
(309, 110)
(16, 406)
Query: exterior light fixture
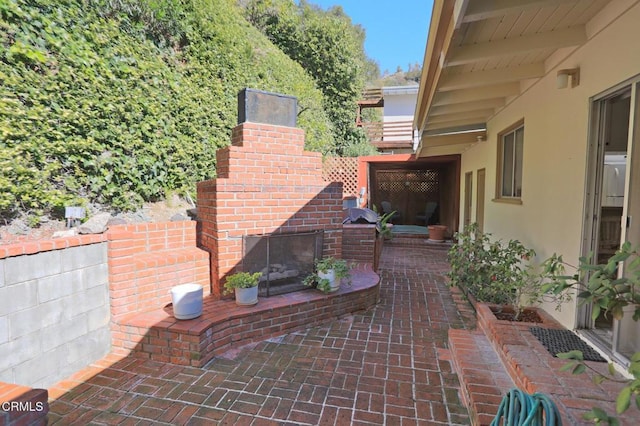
(562, 79)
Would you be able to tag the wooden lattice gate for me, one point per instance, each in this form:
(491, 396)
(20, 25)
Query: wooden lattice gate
(408, 191)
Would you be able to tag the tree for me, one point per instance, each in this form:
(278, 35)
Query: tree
(329, 47)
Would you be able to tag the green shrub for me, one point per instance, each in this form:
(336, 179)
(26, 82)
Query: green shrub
(492, 271)
(119, 101)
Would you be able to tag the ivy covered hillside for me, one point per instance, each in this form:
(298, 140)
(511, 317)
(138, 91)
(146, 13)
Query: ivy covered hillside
(117, 102)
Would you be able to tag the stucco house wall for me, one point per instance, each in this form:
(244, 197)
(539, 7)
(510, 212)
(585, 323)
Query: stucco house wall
(399, 107)
(556, 129)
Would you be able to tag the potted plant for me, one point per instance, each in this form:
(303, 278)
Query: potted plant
(436, 233)
(245, 287)
(385, 226)
(329, 274)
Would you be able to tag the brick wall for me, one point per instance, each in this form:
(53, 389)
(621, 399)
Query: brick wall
(54, 308)
(359, 243)
(147, 259)
(266, 184)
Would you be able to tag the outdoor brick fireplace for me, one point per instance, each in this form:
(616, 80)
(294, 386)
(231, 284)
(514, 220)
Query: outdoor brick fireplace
(267, 184)
(283, 259)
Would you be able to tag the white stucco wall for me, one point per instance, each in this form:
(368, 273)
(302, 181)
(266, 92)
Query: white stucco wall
(555, 147)
(399, 107)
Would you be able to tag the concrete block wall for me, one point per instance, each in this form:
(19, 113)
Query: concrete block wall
(54, 309)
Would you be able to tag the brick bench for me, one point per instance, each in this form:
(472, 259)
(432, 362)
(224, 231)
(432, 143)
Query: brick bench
(157, 335)
(147, 260)
(22, 405)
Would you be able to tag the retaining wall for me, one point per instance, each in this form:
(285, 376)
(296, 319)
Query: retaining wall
(54, 308)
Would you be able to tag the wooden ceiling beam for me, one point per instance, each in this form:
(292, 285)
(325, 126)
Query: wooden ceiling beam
(574, 36)
(469, 115)
(490, 77)
(466, 106)
(476, 94)
(435, 127)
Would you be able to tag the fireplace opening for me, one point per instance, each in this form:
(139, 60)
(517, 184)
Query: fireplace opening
(284, 259)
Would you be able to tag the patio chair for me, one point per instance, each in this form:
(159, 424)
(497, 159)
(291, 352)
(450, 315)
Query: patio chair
(428, 212)
(386, 209)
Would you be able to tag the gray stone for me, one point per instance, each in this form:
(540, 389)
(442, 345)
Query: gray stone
(95, 225)
(30, 267)
(2, 262)
(178, 217)
(18, 227)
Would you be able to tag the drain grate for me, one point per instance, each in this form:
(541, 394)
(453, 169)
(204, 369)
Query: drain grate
(558, 341)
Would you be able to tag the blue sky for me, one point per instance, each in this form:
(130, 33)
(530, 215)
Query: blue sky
(396, 30)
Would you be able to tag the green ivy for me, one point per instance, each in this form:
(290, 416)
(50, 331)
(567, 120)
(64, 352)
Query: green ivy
(121, 101)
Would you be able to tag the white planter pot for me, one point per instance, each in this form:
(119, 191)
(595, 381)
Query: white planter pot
(187, 301)
(246, 296)
(330, 275)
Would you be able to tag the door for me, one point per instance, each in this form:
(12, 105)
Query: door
(468, 182)
(611, 199)
(480, 199)
(627, 331)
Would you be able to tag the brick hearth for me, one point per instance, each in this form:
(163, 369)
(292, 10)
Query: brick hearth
(157, 335)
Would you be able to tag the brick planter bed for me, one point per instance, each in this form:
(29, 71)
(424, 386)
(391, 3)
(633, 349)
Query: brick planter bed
(502, 354)
(223, 325)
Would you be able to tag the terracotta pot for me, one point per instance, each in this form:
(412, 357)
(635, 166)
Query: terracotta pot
(436, 232)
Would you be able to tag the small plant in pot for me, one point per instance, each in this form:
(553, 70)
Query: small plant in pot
(385, 226)
(245, 287)
(329, 274)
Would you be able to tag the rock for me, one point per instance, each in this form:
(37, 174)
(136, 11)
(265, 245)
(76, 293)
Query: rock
(65, 233)
(116, 221)
(193, 213)
(18, 227)
(95, 225)
(178, 217)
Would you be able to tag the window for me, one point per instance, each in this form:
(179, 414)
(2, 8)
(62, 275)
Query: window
(510, 146)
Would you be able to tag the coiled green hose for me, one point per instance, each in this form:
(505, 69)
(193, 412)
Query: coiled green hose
(518, 408)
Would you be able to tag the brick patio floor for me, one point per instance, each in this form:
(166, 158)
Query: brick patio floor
(389, 365)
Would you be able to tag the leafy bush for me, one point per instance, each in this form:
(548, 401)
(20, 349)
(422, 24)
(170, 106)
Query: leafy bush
(331, 49)
(606, 291)
(119, 101)
(492, 271)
